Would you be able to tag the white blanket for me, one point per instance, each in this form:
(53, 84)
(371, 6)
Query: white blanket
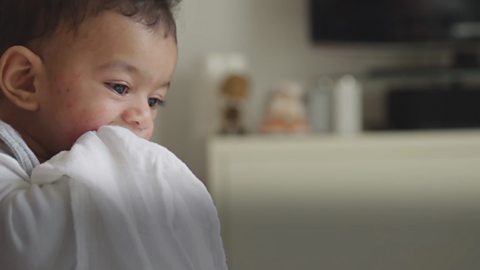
(135, 205)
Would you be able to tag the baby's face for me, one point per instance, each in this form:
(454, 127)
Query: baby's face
(113, 72)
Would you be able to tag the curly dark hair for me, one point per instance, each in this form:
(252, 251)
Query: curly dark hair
(22, 21)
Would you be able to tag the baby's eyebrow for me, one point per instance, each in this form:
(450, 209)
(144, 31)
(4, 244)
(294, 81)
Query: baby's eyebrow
(123, 65)
(120, 64)
(165, 85)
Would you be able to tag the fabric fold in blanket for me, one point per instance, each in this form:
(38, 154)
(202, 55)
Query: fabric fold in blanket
(135, 205)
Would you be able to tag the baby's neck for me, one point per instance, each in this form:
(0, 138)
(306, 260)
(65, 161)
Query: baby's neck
(41, 154)
(19, 126)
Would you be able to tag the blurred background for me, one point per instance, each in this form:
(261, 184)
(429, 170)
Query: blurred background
(333, 134)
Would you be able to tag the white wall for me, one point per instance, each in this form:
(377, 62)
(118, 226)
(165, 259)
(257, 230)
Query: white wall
(274, 37)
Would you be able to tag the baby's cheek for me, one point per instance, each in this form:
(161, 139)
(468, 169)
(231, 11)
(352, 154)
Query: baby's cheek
(87, 120)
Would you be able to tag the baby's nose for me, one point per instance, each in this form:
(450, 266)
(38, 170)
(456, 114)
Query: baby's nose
(138, 117)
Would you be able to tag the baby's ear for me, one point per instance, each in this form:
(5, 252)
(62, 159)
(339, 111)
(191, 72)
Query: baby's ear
(19, 68)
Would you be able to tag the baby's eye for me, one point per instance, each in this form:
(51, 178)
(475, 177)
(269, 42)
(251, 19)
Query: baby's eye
(118, 88)
(155, 102)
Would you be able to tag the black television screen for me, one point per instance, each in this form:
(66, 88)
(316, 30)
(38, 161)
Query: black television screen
(394, 20)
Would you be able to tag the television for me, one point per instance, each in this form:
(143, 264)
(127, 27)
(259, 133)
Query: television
(394, 21)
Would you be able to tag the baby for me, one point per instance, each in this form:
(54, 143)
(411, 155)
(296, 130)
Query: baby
(80, 188)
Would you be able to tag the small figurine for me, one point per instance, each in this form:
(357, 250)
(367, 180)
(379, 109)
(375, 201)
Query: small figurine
(234, 91)
(285, 110)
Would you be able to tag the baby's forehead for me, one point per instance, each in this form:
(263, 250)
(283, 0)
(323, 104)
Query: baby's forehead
(108, 18)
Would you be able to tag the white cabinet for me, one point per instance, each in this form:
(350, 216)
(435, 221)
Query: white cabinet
(377, 201)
